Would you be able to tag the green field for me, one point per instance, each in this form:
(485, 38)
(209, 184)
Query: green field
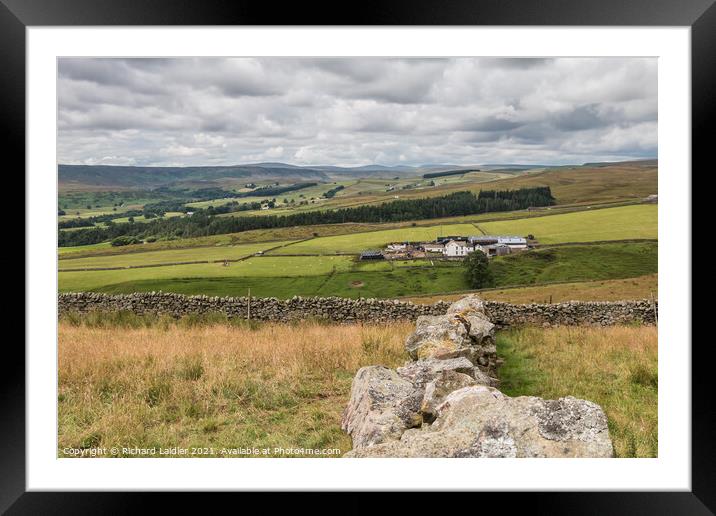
(226, 252)
(576, 263)
(625, 222)
(286, 276)
(65, 251)
(297, 263)
(268, 268)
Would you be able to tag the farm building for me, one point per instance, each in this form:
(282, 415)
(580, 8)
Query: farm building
(431, 247)
(497, 250)
(372, 255)
(458, 248)
(446, 239)
(403, 246)
(513, 242)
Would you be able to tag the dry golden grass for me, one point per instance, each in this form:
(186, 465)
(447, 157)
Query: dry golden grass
(615, 367)
(206, 384)
(641, 287)
(219, 386)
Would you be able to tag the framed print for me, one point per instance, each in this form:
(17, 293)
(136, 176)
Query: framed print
(350, 253)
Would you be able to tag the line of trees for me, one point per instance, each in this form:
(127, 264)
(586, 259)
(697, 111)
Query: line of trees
(333, 191)
(203, 223)
(448, 173)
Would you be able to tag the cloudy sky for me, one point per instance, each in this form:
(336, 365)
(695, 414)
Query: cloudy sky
(355, 111)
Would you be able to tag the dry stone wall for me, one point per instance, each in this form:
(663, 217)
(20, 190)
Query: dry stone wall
(444, 402)
(354, 310)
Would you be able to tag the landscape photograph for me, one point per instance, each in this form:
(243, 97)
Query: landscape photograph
(357, 257)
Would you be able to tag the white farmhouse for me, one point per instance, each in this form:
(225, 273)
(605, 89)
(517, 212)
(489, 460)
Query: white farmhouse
(458, 249)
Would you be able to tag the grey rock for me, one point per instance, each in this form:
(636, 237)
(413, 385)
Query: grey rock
(422, 372)
(351, 310)
(471, 305)
(381, 407)
(480, 421)
(438, 389)
(439, 336)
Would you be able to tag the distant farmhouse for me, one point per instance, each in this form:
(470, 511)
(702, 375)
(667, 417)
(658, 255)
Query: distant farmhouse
(453, 246)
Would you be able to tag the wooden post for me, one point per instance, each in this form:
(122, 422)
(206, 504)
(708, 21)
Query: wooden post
(249, 306)
(550, 299)
(653, 307)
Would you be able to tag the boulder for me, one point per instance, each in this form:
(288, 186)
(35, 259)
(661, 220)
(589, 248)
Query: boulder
(480, 421)
(381, 407)
(438, 389)
(468, 305)
(479, 329)
(452, 336)
(422, 372)
(438, 336)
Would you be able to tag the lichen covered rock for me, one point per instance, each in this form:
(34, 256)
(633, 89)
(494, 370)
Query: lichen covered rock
(444, 402)
(480, 421)
(381, 407)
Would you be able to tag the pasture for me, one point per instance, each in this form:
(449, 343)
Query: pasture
(284, 276)
(616, 367)
(576, 263)
(225, 252)
(210, 383)
(640, 287)
(624, 222)
(269, 269)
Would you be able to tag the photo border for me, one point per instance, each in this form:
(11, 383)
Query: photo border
(16, 15)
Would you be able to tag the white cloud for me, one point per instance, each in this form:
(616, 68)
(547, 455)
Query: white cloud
(355, 111)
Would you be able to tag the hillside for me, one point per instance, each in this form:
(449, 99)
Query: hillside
(81, 176)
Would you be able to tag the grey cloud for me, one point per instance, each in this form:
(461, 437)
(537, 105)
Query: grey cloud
(579, 118)
(490, 124)
(353, 111)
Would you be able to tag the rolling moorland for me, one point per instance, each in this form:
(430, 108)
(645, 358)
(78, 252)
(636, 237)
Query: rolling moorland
(598, 230)
(209, 381)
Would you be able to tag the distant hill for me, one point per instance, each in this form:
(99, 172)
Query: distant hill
(127, 177)
(636, 162)
(111, 176)
(152, 177)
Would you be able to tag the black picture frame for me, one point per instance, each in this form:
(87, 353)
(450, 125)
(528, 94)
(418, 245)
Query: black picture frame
(17, 15)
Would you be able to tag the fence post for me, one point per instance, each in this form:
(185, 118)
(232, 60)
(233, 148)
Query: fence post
(249, 305)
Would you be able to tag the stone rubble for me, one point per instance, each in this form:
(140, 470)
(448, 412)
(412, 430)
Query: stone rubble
(444, 402)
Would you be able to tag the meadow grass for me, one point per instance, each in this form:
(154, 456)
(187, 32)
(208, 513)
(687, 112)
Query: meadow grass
(227, 252)
(576, 263)
(207, 381)
(615, 367)
(80, 249)
(624, 222)
(641, 287)
(270, 269)
(303, 232)
(286, 276)
(213, 385)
